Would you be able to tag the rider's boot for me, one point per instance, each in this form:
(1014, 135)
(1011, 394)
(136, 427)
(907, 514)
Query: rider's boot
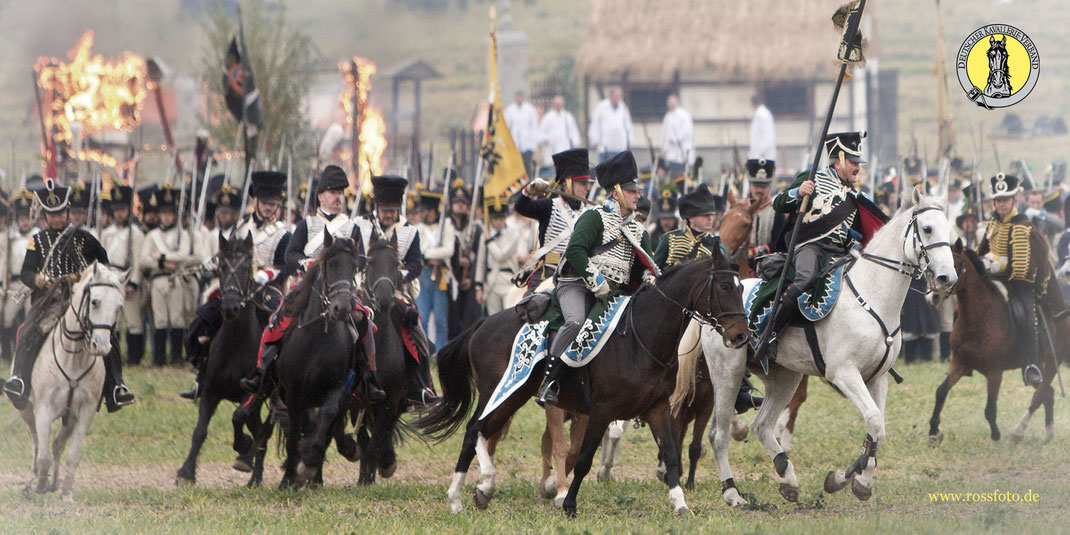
(254, 382)
(116, 394)
(744, 400)
(767, 350)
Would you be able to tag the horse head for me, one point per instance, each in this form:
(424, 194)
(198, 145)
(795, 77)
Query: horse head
(337, 267)
(927, 240)
(382, 275)
(719, 297)
(736, 224)
(97, 299)
(236, 274)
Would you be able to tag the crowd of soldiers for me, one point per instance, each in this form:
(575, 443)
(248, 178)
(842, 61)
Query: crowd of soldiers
(458, 263)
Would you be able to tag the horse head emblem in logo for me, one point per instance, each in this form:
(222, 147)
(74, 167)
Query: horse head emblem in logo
(999, 77)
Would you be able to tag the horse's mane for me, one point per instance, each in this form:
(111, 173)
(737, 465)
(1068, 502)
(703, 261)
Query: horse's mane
(297, 300)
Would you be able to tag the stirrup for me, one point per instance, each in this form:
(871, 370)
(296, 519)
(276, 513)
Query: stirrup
(1032, 371)
(15, 386)
(122, 396)
(191, 394)
(252, 384)
(548, 392)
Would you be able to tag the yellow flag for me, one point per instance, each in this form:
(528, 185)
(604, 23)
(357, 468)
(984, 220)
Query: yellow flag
(503, 165)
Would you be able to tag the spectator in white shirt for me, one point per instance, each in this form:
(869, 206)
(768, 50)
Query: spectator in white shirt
(611, 126)
(558, 132)
(762, 132)
(522, 122)
(678, 138)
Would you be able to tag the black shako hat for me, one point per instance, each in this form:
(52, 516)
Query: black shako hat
(389, 190)
(332, 178)
(620, 170)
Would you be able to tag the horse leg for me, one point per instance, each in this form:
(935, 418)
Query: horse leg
(484, 490)
(74, 452)
(369, 453)
(661, 424)
(610, 449)
(260, 451)
(780, 385)
(726, 369)
(786, 422)
(247, 443)
(187, 475)
(694, 452)
(58, 444)
(1035, 402)
(316, 446)
(860, 471)
(388, 461)
(42, 460)
(296, 422)
(1049, 412)
(546, 483)
(955, 373)
(464, 461)
(592, 437)
(993, 380)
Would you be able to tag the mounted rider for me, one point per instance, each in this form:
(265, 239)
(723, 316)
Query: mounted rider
(307, 239)
(1009, 255)
(695, 240)
(556, 216)
(667, 220)
(386, 220)
(269, 239)
(54, 257)
(608, 253)
(837, 217)
(768, 223)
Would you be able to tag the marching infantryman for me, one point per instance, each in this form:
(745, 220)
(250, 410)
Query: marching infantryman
(306, 241)
(1008, 253)
(667, 221)
(79, 204)
(496, 263)
(836, 217)
(463, 308)
(678, 143)
(767, 221)
(607, 251)
(558, 132)
(54, 256)
(123, 241)
(166, 257)
(610, 131)
(522, 120)
(269, 238)
(438, 243)
(556, 215)
(387, 221)
(16, 303)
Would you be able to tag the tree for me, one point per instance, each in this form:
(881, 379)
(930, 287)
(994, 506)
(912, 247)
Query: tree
(280, 56)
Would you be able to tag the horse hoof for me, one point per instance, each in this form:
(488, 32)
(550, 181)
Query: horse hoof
(243, 443)
(740, 434)
(388, 471)
(831, 485)
(689, 486)
(67, 496)
(242, 465)
(607, 475)
(254, 483)
(1016, 439)
(559, 500)
(183, 481)
(860, 491)
(996, 436)
(937, 439)
(481, 498)
(304, 473)
(569, 508)
(456, 508)
(789, 492)
(547, 488)
(733, 499)
(682, 511)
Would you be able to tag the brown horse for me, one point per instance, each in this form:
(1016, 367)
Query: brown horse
(631, 377)
(982, 339)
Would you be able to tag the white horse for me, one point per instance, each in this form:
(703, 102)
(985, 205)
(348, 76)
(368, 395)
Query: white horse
(859, 341)
(67, 377)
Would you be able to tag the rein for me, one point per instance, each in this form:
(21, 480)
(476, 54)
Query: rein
(85, 326)
(326, 293)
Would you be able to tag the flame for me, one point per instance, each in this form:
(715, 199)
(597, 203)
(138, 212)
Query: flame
(97, 93)
(372, 129)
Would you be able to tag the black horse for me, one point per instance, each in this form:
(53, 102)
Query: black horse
(231, 355)
(632, 377)
(378, 432)
(318, 352)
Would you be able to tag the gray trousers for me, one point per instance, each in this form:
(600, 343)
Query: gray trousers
(807, 262)
(576, 301)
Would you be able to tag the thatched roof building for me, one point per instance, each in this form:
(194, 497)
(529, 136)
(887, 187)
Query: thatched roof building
(748, 40)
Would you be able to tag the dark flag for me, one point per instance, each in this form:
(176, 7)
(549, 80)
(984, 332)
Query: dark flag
(243, 99)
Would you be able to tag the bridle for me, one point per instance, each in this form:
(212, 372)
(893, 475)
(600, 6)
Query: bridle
(715, 320)
(913, 270)
(234, 284)
(85, 324)
(328, 292)
(369, 289)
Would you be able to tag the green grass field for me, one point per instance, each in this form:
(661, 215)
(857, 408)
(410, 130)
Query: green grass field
(126, 481)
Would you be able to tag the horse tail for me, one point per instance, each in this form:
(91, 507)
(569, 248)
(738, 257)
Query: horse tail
(458, 396)
(691, 346)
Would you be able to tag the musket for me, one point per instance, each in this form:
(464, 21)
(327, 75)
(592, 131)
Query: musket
(436, 274)
(202, 206)
(181, 211)
(430, 166)
(849, 35)
(653, 163)
(245, 191)
(289, 190)
(308, 191)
